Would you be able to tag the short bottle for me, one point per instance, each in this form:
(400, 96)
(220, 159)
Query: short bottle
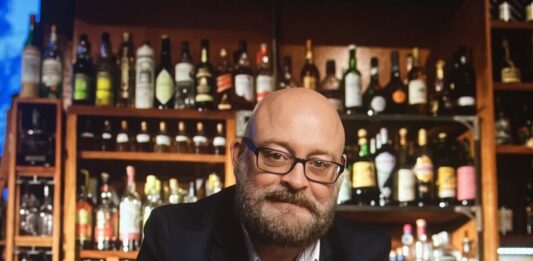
(330, 87)
(142, 139)
(219, 141)
(365, 189)
(162, 140)
(373, 98)
(107, 143)
(182, 142)
(200, 142)
(123, 140)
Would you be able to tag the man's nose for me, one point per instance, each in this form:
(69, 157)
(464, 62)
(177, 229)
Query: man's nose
(296, 179)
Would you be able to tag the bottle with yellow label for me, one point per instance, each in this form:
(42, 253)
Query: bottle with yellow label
(365, 189)
(446, 177)
(423, 169)
(105, 74)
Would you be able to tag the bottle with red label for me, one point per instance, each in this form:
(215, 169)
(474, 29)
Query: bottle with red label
(264, 82)
(466, 177)
(106, 218)
(130, 215)
(225, 90)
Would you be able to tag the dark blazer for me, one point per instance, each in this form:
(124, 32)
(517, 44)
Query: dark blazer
(209, 230)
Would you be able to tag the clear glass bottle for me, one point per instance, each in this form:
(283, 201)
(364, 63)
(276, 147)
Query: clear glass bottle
(52, 73)
(152, 190)
(264, 82)
(162, 140)
(443, 250)
(46, 214)
(423, 250)
(225, 89)
(107, 143)
(385, 161)
(408, 242)
(191, 195)
(174, 196)
(130, 215)
(330, 87)
(105, 232)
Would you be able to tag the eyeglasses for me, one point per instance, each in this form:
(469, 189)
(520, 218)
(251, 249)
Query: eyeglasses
(281, 163)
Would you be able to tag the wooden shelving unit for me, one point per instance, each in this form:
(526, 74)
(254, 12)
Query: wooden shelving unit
(516, 240)
(31, 171)
(496, 24)
(513, 150)
(108, 255)
(152, 156)
(34, 241)
(148, 113)
(515, 87)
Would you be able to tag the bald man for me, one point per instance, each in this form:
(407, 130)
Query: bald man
(287, 167)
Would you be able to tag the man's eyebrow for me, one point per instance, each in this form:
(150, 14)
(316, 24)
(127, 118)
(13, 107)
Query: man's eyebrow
(285, 145)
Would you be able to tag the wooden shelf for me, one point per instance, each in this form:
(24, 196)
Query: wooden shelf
(108, 254)
(152, 156)
(37, 101)
(31, 171)
(407, 118)
(519, 87)
(516, 240)
(511, 25)
(149, 113)
(513, 150)
(36, 241)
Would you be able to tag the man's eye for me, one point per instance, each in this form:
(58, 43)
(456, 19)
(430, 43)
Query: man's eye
(276, 156)
(320, 164)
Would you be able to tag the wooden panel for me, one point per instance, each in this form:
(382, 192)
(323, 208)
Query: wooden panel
(108, 254)
(69, 202)
(516, 240)
(229, 177)
(514, 149)
(11, 204)
(151, 156)
(520, 87)
(36, 241)
(149, 113)
(30, 171)
(496, 24)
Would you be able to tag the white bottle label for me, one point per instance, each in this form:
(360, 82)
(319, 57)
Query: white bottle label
(142, 138)
(122, 138)
(144, 89)
(181, 138)
(162, 140)
(417, 92)
(352, 90)
(183, 72)
(264, 85)
(466, 101)
(378, 104)
(51, 72)
(406, 185)
(130, 220)
(219, 141)
(244, 86)
(505, 11)
(529, 12)
(199, 139)
(164, 87)
(31, 65)
(106, 136)
(385, 163)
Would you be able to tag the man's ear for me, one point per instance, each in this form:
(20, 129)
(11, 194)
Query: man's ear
(236, 150)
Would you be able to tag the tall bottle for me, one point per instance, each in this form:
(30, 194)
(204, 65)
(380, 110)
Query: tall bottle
(331, 87)
(143, 139)
(164, 84)
(130, 215)
(423, 247)
(126, 62)
(182, 142)
(310, 77)
(441, 102)
(31, 63)
(423, 169)
(529, 207)
(82, 86)
(183, 75)
(174, 196)
(466, 177)
(463, 83)
(105, 232)
(395, 90)
(243, 80)
(408, 242)
(46, 214)
(36, 146)
(287, 79)
(219, 141)
(264, 81)
(225, 90)
(353, 98)
(205, 85)
(123, 140)
(373, 98)
(405, 178)
(52, 74)
(417, 86)
(152, 190)
(84, 214)
(162, 140)
(105, 74)
(446, 177)
(385, 166)
(199, 140)
(144, 77)
(364, 181)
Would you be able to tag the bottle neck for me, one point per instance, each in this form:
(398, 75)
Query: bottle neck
(204, 55)
(353, 61)
(363, 152)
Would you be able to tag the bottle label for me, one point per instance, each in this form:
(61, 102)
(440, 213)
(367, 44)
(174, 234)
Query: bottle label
(84, 225)
(406, 185)
(364, 175)
(423, 169)
(130, 220)
(446, 182)
(199, 139)
(81, 87)
(144, 88)
(417, 92)
(505, 11)
(264, 85)
(103, 229)
(337, 103)
(244, 86)
(183, 72)
(309, 82)
(203, 91)
(466, 185)
(224, 82)
(123, 138)
(466, 101)
(125, 78)
(219, 141)
(378, 104)
(142, 138)
(104, 95)
(164, 87)
(162, 140)
(182, 138)
(352, 90)
(52, 73)
(106, 136)
(398, 97)
(31, 65)
(385, 164)
(529, 12)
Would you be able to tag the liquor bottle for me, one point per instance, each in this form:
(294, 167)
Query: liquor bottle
(385, 161)
(408, 67)
(287, 80)
(524, 125)
(446, 176)
(105, 218)
(191, 195)
(405, 178)
(417, 87)
(162, 140)
(219, 141)
(107, 143)
(183, 75)
(182, 142)
(395, 90)
(529, 207)
(466, 177)
(373, 98)
(504, 11)
(373, 147)
(463, 83)
(31, 63)
(330, 87)
(123, 140)
(52, 75)
(309, 76)
(152, 190)
(144, 77)
(345, 191)
(353, 99)
(225, 91)
(529, 11)
(199, 140)
(36, 143)
(105, 74)
(364, 182)
(82, 87)
(205, 86)
(244, 81)
(130, 215)
(441, 102)
(87, 136)
(142, 139)
(174, 196)
(46, 214)
(423, 170)
(407, 242)
(509, 72)
(502, 124)
(84, 215)
(423, 249)
(126, 62)
(213, 184)
(467, 253)
(443, 249)
(243, 47)
(164, 84)
(264, 81)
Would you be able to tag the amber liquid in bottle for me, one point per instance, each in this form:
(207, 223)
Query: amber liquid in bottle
(107, 143)
(417, 87)
(123, 137)
(310, 76)
(219, 141)
(182, 142)
(143, 139)
(199, 140)
(162, 140)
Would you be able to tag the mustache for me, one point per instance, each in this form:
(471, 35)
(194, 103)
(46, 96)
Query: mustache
(280, 194)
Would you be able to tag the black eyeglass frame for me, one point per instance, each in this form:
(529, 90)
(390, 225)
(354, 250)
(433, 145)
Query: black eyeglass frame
(249, 144)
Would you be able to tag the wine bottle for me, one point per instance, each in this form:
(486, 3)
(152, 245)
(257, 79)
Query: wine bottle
(441, 102)
(353, 99)
(330, 87)
(52, 75)
(84, 214)
(466, 177)
(309, 75)
(162, 140)
(417, 87)
(105, 74)
(36, 146)
(244, 81)
(446, 176)
(185, 90)
(264, 81)
(82, 86)
(123, 140)
(405, 179)
(126, 92)
(142, 139)
(225, 90)
(144, 77)
(373, 98)
(463, 83)
(31, 63)
(423, 170)
(395, 91)
(385, 161)
(219, 141)
(107, 143)
(364, 182)
(205, 86)
(200, 140)
(182, 142)
(287, 80)
(164, 84)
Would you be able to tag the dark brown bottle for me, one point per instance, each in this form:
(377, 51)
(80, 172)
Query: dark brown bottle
(395, 90)
(164, 82)
(373, 98)
(123, 140)
(417, 87)
(182, 142)
(87, 136)
(225, 90)
(126, 62)
(143, 139)
(424, 171)
(201, 144)
(107, 143)
(287, 80)
(219, 141)
(441, 102)
(309, 75)
(162, 140)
